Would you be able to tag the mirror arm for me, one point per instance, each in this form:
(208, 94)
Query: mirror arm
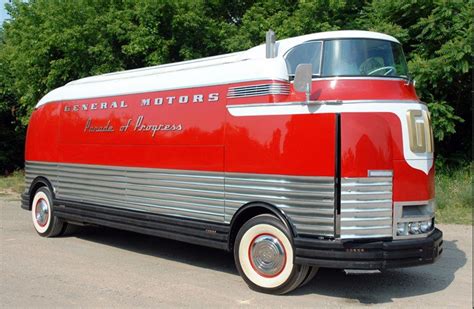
(308, 94)
(303, 79)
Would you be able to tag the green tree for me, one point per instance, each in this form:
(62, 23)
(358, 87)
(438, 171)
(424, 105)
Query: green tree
(49, 43)
(291, 18)
(438, 39)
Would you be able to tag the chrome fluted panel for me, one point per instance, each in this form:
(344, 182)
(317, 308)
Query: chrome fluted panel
(307, 201)
(43, 169)
(366, 207)
(212, 196)
(196, 195)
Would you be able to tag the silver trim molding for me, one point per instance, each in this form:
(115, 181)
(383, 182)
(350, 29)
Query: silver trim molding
(211, 196)
(298, 103)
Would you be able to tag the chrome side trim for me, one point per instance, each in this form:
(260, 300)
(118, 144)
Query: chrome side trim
(191, 194)
(307, 201)
(45, 169)
(315, 103)
(368, 78)
(212, 196)
(258, 90)
(366, 207)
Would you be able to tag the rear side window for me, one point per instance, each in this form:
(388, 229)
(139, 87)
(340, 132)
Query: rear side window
(308, 52)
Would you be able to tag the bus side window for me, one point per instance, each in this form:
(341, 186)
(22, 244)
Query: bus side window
(308, 52)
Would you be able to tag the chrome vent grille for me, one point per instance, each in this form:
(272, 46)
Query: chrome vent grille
(257, 90)
(366, 207)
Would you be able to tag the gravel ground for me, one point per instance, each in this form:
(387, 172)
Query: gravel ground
(101, 267)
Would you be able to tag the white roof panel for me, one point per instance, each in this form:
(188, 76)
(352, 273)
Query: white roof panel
(222, 69)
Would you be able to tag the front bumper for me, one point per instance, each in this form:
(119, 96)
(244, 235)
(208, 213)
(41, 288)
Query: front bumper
(369, 255)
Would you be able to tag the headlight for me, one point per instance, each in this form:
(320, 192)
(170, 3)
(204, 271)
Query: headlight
(414, 228)
(413, 219)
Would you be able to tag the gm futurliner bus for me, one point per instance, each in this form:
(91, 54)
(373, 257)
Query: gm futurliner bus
(308, 152)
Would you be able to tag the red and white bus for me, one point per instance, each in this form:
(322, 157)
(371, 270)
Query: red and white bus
(307, 152)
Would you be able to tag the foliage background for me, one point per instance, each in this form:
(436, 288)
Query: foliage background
(47, 43)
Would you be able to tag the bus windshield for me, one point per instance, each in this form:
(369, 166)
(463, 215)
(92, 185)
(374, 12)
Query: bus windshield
(363, 57)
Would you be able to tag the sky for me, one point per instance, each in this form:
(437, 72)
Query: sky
(3, 12)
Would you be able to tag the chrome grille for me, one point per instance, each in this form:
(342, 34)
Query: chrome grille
(257, 90)
(366, 207)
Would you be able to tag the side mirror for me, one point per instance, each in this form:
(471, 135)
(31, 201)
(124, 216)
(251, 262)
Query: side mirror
(303, 79)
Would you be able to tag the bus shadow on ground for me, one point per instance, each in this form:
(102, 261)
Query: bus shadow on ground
(177, 251)
(390, 284)
(361, 288)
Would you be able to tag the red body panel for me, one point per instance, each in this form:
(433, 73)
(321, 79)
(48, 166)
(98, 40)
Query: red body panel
(42, 138)
(339, 89)
(210, 139)
(362, 89)
(411, 184)
(373, 141)
(288, 145)
(197, 145)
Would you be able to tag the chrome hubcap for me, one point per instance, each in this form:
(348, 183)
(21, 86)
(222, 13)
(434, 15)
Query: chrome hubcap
(267, 255)
(42, 212)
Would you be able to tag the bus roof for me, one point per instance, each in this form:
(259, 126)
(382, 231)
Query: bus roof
(195, 70)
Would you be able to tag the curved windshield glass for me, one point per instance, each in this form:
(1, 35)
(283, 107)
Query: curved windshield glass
(363, 57)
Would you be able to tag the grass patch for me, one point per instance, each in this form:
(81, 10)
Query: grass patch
(454, 196)
(12, 184)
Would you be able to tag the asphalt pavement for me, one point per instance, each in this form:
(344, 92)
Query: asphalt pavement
(104, 268)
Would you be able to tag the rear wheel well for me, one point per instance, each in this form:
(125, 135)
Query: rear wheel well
(251, 210)
(36, 184)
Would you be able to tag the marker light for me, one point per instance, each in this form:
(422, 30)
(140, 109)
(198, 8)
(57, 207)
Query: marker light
(426, 226)
(402, 229)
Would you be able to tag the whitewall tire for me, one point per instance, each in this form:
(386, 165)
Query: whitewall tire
(264, 254)
(44, 221)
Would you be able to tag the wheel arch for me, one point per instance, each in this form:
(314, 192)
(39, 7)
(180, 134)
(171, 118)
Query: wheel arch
(252, 209)
(37, 183)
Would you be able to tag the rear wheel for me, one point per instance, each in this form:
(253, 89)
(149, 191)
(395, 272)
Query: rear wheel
(263, 254)
(44, 221)
(70, 229)
(312, 272)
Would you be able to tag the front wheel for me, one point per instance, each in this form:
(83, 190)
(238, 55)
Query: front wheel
(263, 254)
